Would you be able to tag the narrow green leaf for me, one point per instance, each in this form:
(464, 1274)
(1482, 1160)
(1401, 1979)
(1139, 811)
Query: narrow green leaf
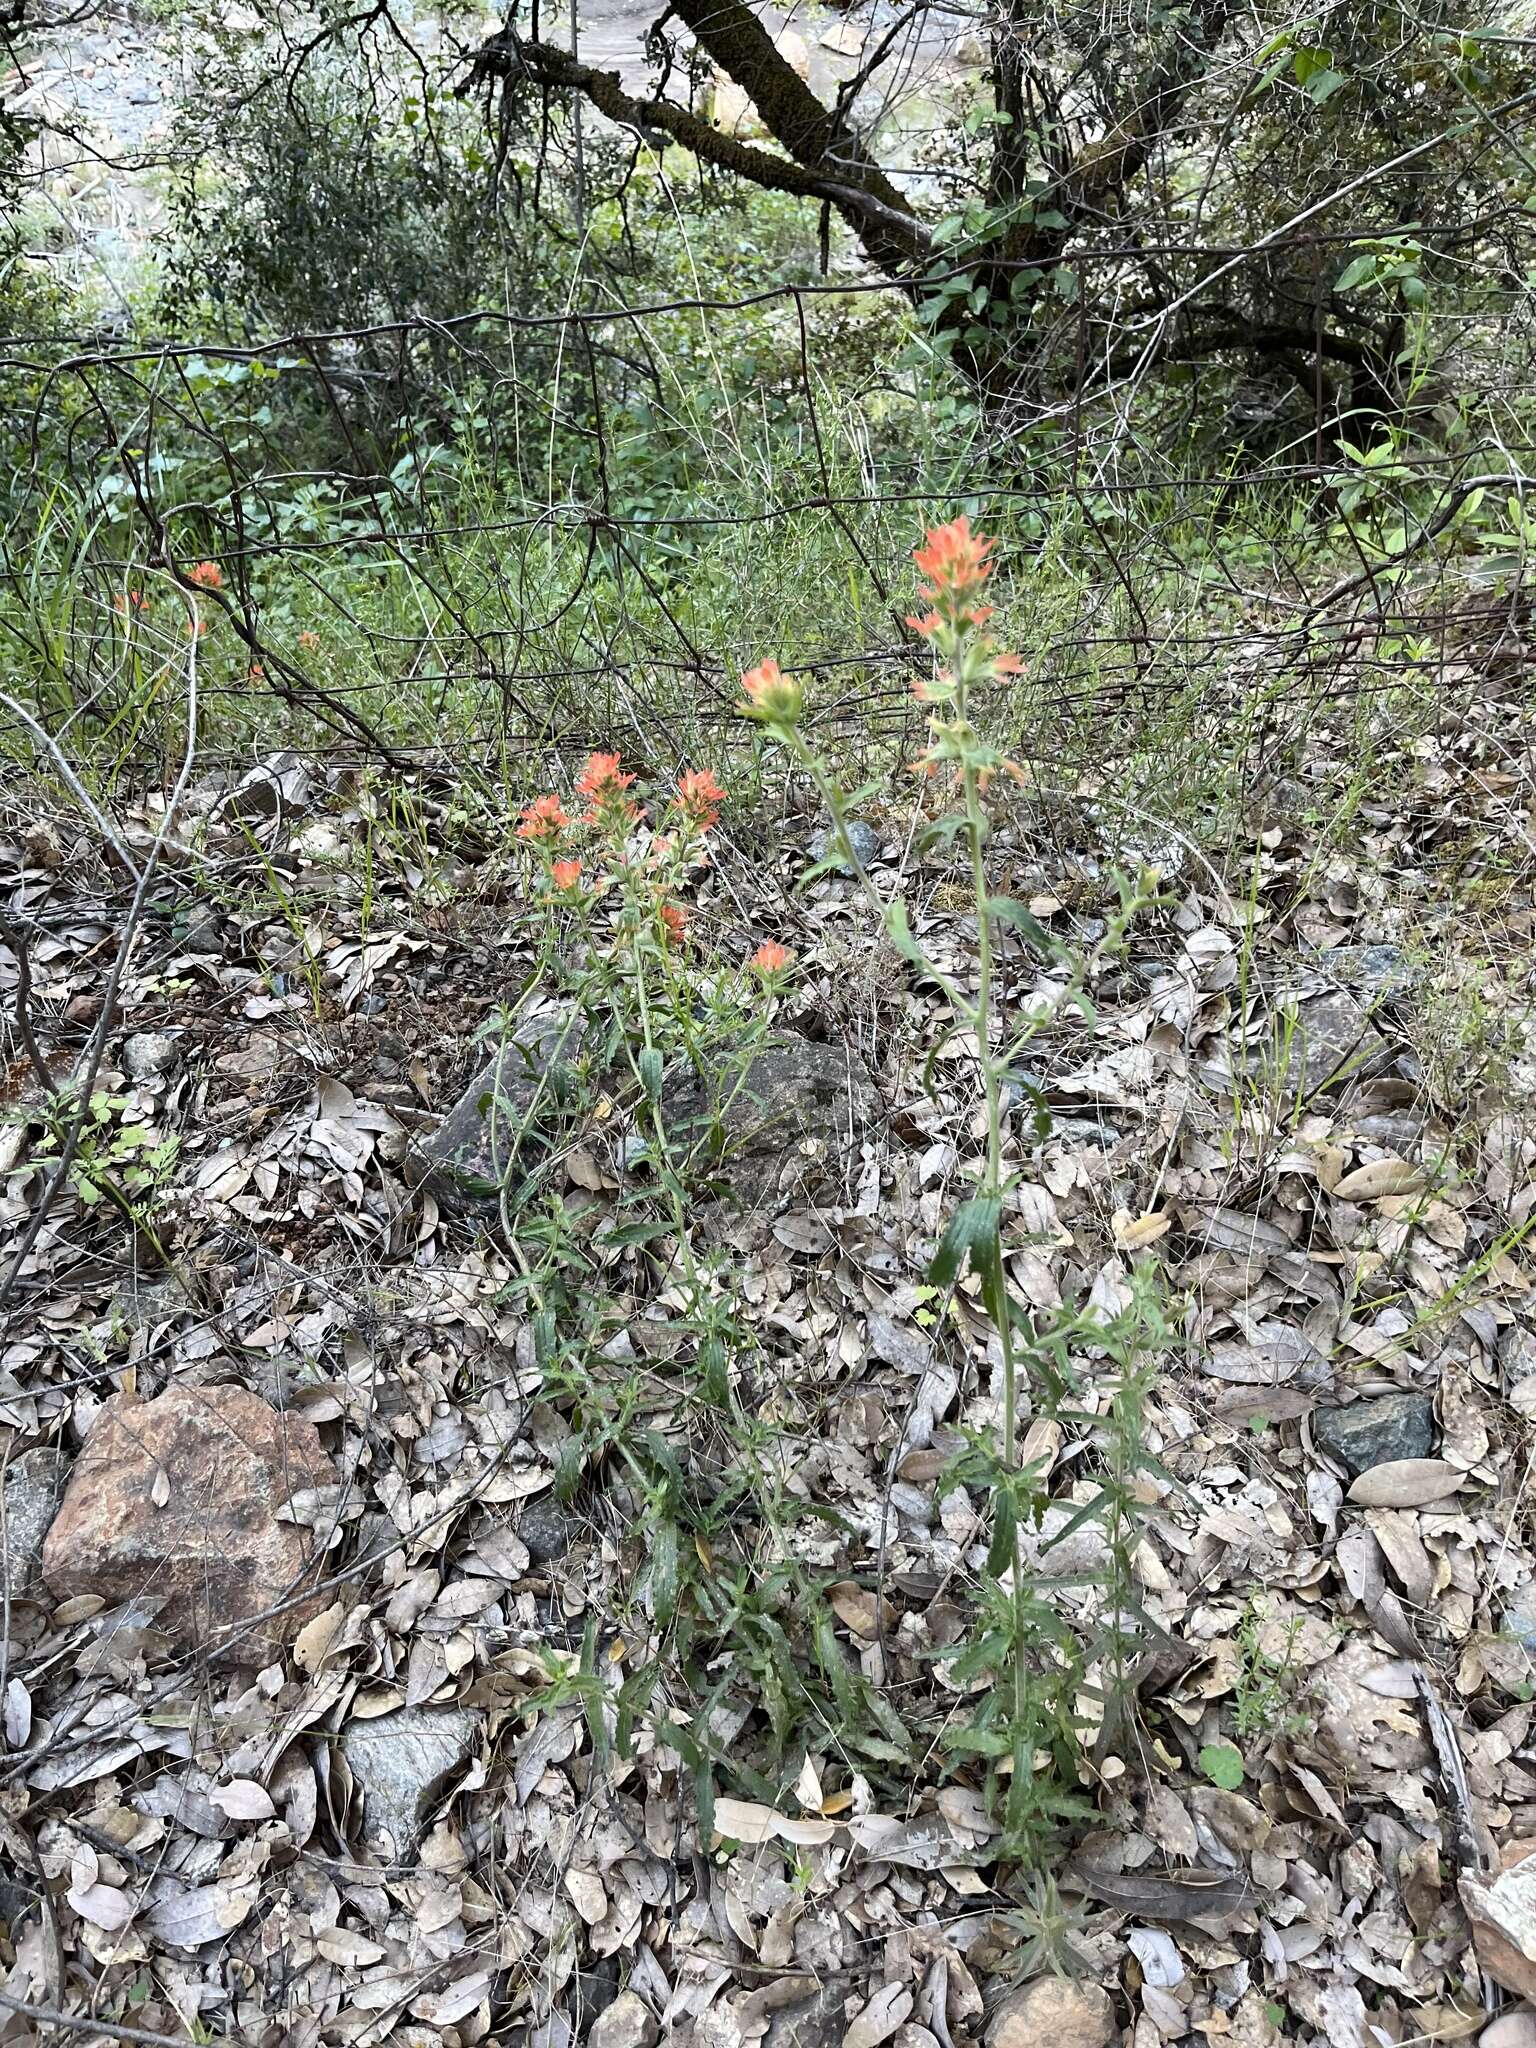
(634, 1233)
(1004, 1529)
(971, 1225)
(1009, 910)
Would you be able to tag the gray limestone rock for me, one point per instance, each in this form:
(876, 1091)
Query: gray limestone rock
(814, 2020)
(626, 2023)
(1520, 1622)
(148, 1054)
(510, 1100)
(1376, 1431)
(1517, 1355)
(203, 934)
(34, 1486)
(864, 840)
(783, 1131)
(1331, 1041)
(401, 1761)
(276, 789)
(547, 1529)
(1369, 970)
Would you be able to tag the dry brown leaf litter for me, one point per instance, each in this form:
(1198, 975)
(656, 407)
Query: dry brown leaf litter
(203, 1840)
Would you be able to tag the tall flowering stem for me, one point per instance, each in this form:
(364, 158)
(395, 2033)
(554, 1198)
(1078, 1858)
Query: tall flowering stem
(956, 566)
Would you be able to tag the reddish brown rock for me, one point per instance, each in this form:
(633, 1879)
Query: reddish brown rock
(175, 1502)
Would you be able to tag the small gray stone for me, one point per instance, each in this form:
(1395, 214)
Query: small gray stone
(1376, 1432)
(1085, 1130)
(1023, 1090)
(479, 1141)
(627, 2023)
(1332, 1041)
(203, 934)
(1510, 2030)
(17, 1903)
(783, 1132)
(1371, 970)
(597, 1986)
(401, 1761)
(148, 1054)
(278, 789)
(864, 840)
(256, 799)
(1520, 1622)
(141, 1304)
(1398, 1132)
(34, 1486)
(547, 1529)
(814, 2021)
(1150, 972)
(1517, 1354)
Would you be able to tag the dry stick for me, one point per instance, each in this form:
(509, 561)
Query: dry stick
(98, 1040)
(1449, 506)
(16, 939)
(83, 2023)
(72, 781)
(1160, 314)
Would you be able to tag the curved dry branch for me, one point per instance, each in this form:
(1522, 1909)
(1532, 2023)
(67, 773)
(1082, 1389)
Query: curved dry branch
(826, 160)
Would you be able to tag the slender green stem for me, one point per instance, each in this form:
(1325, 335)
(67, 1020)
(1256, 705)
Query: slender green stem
(832, 797)
(992, 1187)
(992, 1078)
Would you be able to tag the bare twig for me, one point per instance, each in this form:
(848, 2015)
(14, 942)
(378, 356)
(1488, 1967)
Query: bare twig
(15, 937)
(71, 780)
(87, 2023)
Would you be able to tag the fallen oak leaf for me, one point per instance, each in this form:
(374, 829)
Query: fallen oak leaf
(192, 1916)
(348, 1950)
(926, 1842)
(1389, 1176)
(1502, 1911)
(857, 1609)
(104, 1905)
(885, 2012)
(1170, 1895)
(750, 1822)
(243, 1799)
(1406, 1483)
(315, 1638)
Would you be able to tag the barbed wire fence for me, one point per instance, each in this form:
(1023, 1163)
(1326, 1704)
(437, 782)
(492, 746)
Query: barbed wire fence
(176, 451)
(134, 425)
